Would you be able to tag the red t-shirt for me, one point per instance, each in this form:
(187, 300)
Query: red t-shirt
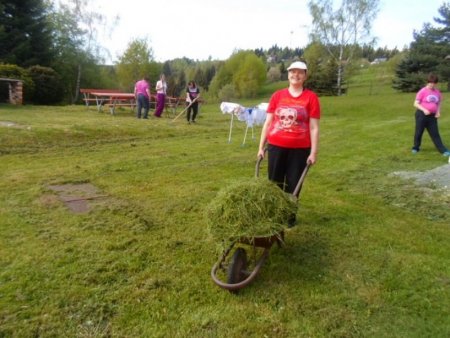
(290, 124)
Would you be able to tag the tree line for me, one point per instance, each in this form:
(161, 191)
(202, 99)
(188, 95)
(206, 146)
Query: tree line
(54, 51)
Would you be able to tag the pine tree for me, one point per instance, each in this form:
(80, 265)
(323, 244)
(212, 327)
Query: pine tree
(25, 34)
(429, 52)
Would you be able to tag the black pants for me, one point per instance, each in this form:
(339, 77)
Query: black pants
(428, 122)
(194, 109)
(286, 166)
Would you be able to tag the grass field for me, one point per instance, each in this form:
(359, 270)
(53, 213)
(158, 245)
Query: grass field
(370, 256)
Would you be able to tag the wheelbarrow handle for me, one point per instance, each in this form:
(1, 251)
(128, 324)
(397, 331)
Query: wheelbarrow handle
(299, 185)
(258, 165)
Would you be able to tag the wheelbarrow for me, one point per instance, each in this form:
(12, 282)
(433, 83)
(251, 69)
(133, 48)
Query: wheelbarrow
(235, 264)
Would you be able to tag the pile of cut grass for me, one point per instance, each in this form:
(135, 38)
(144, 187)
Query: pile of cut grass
(249, 208)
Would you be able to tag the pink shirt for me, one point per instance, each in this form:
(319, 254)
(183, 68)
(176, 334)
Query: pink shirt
(141, 88)
(430, 99)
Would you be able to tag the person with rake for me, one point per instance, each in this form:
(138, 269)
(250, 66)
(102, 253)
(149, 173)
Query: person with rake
(291, 131)
(192, 96)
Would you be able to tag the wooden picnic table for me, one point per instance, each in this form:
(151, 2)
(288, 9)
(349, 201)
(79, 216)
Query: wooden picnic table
(114, 100)
(89, 98)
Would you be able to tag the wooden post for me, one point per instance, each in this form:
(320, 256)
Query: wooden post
(16, 93)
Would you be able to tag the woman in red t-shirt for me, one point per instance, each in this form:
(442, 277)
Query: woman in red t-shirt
(291, 130)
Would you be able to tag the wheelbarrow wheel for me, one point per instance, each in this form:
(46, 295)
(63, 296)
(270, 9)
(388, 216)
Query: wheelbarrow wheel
(237, 268)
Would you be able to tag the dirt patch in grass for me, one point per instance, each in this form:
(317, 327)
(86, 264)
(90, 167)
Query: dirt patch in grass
(437, 178)
(79, 198)
(9, 124)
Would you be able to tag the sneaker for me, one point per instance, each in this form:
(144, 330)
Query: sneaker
(414, 151)
(446, 153)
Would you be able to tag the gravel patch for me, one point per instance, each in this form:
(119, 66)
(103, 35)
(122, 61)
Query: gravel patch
(437, 178)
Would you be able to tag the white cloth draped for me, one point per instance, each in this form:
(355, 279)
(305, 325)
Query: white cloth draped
(252, 116)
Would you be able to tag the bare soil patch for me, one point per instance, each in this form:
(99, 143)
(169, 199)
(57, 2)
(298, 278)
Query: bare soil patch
(78, 198)
(9, 124)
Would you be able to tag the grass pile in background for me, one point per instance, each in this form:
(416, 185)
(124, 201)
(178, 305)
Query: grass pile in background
(249, 208)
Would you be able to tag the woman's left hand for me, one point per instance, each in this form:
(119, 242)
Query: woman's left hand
(311, 159)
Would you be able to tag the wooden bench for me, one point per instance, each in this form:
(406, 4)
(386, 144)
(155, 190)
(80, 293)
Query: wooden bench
(87, 94)
(119, 102)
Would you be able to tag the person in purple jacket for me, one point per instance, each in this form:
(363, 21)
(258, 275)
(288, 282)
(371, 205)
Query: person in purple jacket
(428, 103)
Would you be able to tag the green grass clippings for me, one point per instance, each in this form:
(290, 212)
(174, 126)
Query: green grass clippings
(249, 208)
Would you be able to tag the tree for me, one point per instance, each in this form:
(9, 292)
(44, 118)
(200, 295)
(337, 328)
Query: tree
(342, 30)
(250, 76)
(274, 74)
(25, 33)
(244, 70)
(135, 63)
(75, 42)
(429, 52)
(322, 70)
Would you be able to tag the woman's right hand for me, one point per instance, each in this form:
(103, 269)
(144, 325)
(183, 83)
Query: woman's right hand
(261, 153)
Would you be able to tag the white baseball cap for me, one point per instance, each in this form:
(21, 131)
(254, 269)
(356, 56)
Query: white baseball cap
(298, 65)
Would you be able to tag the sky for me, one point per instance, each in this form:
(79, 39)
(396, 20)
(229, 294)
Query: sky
(204, 29)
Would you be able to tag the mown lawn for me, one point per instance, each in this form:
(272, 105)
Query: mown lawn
(369, 258)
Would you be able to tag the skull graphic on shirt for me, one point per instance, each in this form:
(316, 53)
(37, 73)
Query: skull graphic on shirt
(287, 117)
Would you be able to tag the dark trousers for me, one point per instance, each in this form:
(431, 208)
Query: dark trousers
(286, 166)
(142, 102)
(194, 109)
(428, 122)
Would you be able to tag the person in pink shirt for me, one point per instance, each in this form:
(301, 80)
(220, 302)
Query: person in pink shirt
(428, 103)
(142, 94)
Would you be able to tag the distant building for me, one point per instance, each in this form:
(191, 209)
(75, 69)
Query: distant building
(378, 60)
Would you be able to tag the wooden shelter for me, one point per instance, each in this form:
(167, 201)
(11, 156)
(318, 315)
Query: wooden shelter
(15, 88)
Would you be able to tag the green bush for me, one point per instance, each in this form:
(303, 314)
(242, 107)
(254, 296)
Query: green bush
(48, 85)
(227, 93)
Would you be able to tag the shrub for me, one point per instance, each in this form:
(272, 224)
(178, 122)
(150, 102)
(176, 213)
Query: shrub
(48, 85)
(227, 93)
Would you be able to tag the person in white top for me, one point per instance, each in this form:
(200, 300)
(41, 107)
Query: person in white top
(161, 90)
